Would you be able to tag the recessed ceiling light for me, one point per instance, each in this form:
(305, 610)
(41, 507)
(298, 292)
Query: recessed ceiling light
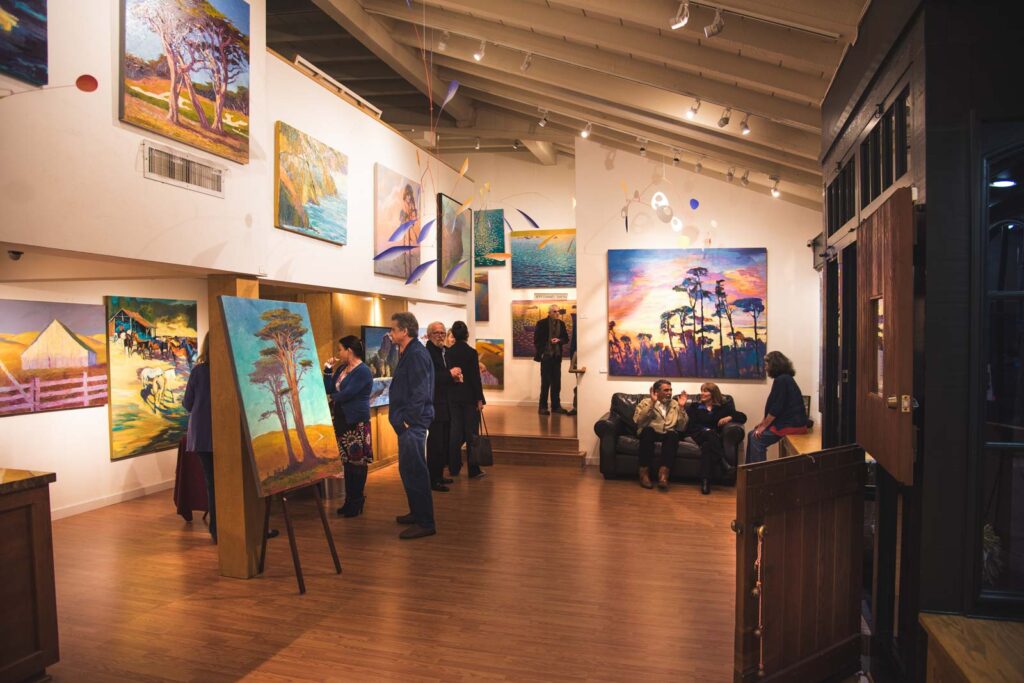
(1003, 182)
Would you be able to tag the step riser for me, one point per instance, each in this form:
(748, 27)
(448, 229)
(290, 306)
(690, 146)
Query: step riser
(547, 460)
(532, 444)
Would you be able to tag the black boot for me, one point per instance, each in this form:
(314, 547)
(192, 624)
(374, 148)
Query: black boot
(705, 486)
(355, 479)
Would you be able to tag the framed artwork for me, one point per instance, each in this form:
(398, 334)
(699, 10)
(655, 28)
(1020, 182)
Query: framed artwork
(543, 258)
(311, 181)
(53, 356)
(489, 238)
(687, 313)
(526, 315)
(151, 347)
(23, 40)
(481, 297)
(382, 359)
(284, 406)
(492, 362)
(185, 72)
(396, 222)
(454, 245)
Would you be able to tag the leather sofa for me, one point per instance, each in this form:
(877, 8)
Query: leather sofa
(620, 445)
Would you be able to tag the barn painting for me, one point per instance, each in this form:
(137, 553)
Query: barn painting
(52, 356)
(152, 345)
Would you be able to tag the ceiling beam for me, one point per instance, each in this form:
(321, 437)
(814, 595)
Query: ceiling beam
(757, 39)
(838, 18)
(794, 151)
(631, 81)
(548, 27)
(374, 35)
(544, 152)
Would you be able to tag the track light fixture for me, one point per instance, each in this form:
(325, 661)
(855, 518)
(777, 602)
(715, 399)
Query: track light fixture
(730, 174)
(744, 126)
(682, 16)
(643, 147)
(442, 44)
(745, 178)
(775, 186)
(587, 129)
(675, 157)
(479, 54)
(515, 144)
(723, 121)
(716, 26)
(543, 118)
(527, 62)
(698, 167)
(477, 144)
(694, 108)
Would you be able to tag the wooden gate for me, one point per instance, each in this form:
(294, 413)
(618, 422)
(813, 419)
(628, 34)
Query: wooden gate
(799, 525)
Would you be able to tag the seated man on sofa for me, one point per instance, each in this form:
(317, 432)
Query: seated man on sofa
(658, 419)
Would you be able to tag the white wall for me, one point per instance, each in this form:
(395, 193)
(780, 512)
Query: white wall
(76, 443)
(546, 194)
(741, 219)
(71, 181)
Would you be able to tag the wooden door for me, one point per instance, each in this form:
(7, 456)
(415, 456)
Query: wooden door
(799, 525)
(885, 335)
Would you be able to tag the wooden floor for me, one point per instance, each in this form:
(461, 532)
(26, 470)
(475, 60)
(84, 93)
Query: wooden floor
(536, 574)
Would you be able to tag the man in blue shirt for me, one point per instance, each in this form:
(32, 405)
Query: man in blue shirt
(411, 411)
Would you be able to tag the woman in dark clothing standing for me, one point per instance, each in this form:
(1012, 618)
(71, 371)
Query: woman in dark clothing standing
(199, 438)
(707, 416)
(348, 382)
(466, 400)
(784, 411)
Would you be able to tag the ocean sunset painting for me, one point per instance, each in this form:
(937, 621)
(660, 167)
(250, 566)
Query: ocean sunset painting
(687, 312)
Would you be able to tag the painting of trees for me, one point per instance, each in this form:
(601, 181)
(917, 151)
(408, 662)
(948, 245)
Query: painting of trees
(185, 72)
(284, 404)
(694, 312)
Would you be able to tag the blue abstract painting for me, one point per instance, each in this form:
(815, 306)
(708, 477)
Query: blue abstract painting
(543, 258)
(23, 52)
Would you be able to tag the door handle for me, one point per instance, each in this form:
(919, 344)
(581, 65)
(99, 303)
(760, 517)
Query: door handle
(891, 402)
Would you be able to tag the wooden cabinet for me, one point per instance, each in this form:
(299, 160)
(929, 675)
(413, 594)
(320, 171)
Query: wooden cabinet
(28, 603)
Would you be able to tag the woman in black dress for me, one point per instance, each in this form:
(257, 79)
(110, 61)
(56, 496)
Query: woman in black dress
(707, 416)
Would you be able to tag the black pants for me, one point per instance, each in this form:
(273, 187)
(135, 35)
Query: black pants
(465, 426)
(711, 451)
(669, 444)
(438, 442)
(551, 379)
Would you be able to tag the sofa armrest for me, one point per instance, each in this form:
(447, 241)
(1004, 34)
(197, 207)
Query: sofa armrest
(732, 442)
(608, 429)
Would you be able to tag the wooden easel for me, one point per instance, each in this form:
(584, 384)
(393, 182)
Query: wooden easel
(291, 532)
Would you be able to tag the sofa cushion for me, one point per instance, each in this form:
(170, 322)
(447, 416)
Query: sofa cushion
(624, 405)
(630, 445)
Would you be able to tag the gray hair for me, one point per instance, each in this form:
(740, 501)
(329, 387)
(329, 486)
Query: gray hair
(776, 364)
(407, 321)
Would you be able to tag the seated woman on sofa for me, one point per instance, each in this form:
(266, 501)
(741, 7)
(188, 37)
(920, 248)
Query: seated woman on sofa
(707, 415)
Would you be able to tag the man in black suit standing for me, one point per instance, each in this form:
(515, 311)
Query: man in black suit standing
(548, 338)
(438, 436)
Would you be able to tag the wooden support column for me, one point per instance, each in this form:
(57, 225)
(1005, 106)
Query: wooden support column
(320, 305)
(239, 508)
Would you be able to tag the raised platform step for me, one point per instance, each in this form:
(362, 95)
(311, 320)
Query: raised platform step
(547, 459)
(528, 444)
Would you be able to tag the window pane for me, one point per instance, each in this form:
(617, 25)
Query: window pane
(878, 314)
(1004, 395)
(1002, 522)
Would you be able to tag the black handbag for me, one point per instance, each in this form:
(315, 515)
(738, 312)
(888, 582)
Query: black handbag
(482, 445)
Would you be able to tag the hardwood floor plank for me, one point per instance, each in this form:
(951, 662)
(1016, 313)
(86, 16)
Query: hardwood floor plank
(536, 574)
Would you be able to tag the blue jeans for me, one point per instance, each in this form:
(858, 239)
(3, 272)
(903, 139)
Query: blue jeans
(757, 446)
(206, 460)
(412, 466)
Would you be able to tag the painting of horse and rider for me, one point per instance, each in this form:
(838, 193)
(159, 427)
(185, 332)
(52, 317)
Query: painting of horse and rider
(151, 347)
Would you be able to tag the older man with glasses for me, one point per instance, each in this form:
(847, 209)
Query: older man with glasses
(445, 376)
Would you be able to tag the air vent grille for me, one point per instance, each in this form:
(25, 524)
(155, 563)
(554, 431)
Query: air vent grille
(167, 166)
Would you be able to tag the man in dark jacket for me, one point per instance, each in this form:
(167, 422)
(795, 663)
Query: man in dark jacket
(438, 436)
(548, 338)
(410, 413)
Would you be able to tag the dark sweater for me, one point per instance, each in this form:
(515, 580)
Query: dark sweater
(412, 390)
(199, 438)
(786, 403)
(351, 402)
(471, 388)
(701, 419)
(443, 381)
(545, 331)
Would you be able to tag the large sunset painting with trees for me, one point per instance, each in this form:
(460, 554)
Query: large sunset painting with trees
(687, 312)
(185, 72)
(287, 419)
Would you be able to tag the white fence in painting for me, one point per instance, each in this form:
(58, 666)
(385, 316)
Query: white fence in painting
(38, 395)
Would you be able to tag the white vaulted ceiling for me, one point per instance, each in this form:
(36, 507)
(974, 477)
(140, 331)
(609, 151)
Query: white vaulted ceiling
(616, 64)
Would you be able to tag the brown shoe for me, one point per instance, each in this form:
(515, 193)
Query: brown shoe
(645, 478)
(663, 478)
